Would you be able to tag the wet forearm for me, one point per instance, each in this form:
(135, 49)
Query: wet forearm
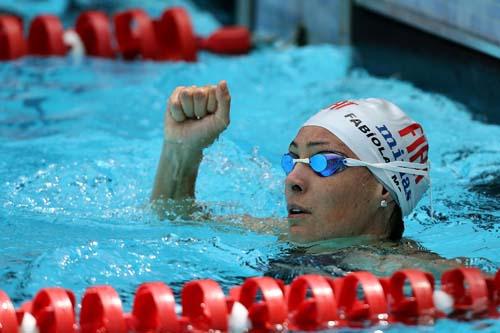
(177, 172)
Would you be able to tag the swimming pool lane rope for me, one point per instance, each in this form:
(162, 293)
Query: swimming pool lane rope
(132, 34)
(263, 304)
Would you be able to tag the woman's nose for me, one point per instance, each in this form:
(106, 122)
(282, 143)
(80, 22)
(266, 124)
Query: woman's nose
(296, 181)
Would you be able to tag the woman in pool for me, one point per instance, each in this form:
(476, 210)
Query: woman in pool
(355, 168)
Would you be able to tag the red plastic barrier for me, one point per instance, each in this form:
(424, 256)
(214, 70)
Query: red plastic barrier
(154, 309)
(53, 309)
(94, 29)
(227, 40)
(468, 288)
(8, 319)
(12, 43)
(177, 41)
(234, 293)
(46, 36)
(497, 285)
(204, 305)
(175, 36)
(169, 38)
(26, 307)
(373, 308)
(102, 311)
(417, 308)
(315, 312)
(495, 296)
(135, 34)
(311, 302)
(269, 312)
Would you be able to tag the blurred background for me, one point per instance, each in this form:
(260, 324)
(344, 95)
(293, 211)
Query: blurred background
(446, 46)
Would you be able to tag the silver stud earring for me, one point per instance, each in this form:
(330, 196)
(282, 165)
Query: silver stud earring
(383, 203)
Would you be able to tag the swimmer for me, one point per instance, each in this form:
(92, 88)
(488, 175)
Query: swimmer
(353, 171)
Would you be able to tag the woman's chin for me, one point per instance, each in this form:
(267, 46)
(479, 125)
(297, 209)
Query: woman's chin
(300, 234)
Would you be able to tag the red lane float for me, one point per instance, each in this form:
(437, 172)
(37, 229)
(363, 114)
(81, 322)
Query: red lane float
(373, 308)
(175, 36)
(154, 309)
(495, 296)
(53, 309)
(204, 305)
(95, 32)
(468, 288)
(310, 302)
(170, 38)
(417, 307)
(45, 36)
(315, 312)
(497, 288)
(270, 312)
(102, 311)
(177, 40)
(227, 40)
(8, 319)
(135, 34)
(12, 43)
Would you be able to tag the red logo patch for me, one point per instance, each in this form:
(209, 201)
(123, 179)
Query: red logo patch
(340, 105)
(418, 149)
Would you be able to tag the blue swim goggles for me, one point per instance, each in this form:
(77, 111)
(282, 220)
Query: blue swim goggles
(323, 164)
(327, 164)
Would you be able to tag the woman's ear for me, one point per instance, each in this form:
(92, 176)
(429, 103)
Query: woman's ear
(386, 195)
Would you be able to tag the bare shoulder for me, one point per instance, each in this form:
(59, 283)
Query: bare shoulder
(388, 257)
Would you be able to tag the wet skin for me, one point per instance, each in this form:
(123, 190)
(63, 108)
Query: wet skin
(338, 213)
(342, 205)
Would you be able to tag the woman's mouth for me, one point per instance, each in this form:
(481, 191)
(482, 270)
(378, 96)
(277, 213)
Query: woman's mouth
(296, 211)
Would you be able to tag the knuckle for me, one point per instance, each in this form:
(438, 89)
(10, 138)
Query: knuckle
(185, 93)
(199, 95)
(175, 103)
(177, 91)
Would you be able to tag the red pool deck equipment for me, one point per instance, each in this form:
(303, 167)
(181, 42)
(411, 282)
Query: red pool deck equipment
(136, 35)
(310, 302)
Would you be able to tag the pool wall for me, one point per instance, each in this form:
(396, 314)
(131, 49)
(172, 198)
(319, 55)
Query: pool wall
(325, 21)
(475, 24)
(450, 47)
(429, 62)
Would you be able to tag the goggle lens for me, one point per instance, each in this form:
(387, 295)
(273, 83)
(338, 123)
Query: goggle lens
(287, 163)
(323, 164)
(318, 162)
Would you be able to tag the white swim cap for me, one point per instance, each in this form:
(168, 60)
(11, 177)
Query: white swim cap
(386, 140)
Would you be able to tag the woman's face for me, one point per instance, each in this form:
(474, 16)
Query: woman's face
(342, 205)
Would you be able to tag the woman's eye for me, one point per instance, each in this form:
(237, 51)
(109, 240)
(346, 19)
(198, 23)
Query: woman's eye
(293, 155)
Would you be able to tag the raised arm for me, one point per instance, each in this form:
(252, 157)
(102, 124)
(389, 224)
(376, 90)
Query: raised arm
(194, 118)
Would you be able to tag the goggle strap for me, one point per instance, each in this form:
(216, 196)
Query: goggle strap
(395, 166)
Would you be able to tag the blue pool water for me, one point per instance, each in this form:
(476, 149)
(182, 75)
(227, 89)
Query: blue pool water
(80, 141)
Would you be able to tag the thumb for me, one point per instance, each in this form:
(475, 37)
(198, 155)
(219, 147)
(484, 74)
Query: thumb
(223, 102)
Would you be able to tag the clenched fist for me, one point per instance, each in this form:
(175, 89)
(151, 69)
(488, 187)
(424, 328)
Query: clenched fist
(197, 115)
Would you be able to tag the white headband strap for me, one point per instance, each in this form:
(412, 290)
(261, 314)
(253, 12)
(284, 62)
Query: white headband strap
(395, 166)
